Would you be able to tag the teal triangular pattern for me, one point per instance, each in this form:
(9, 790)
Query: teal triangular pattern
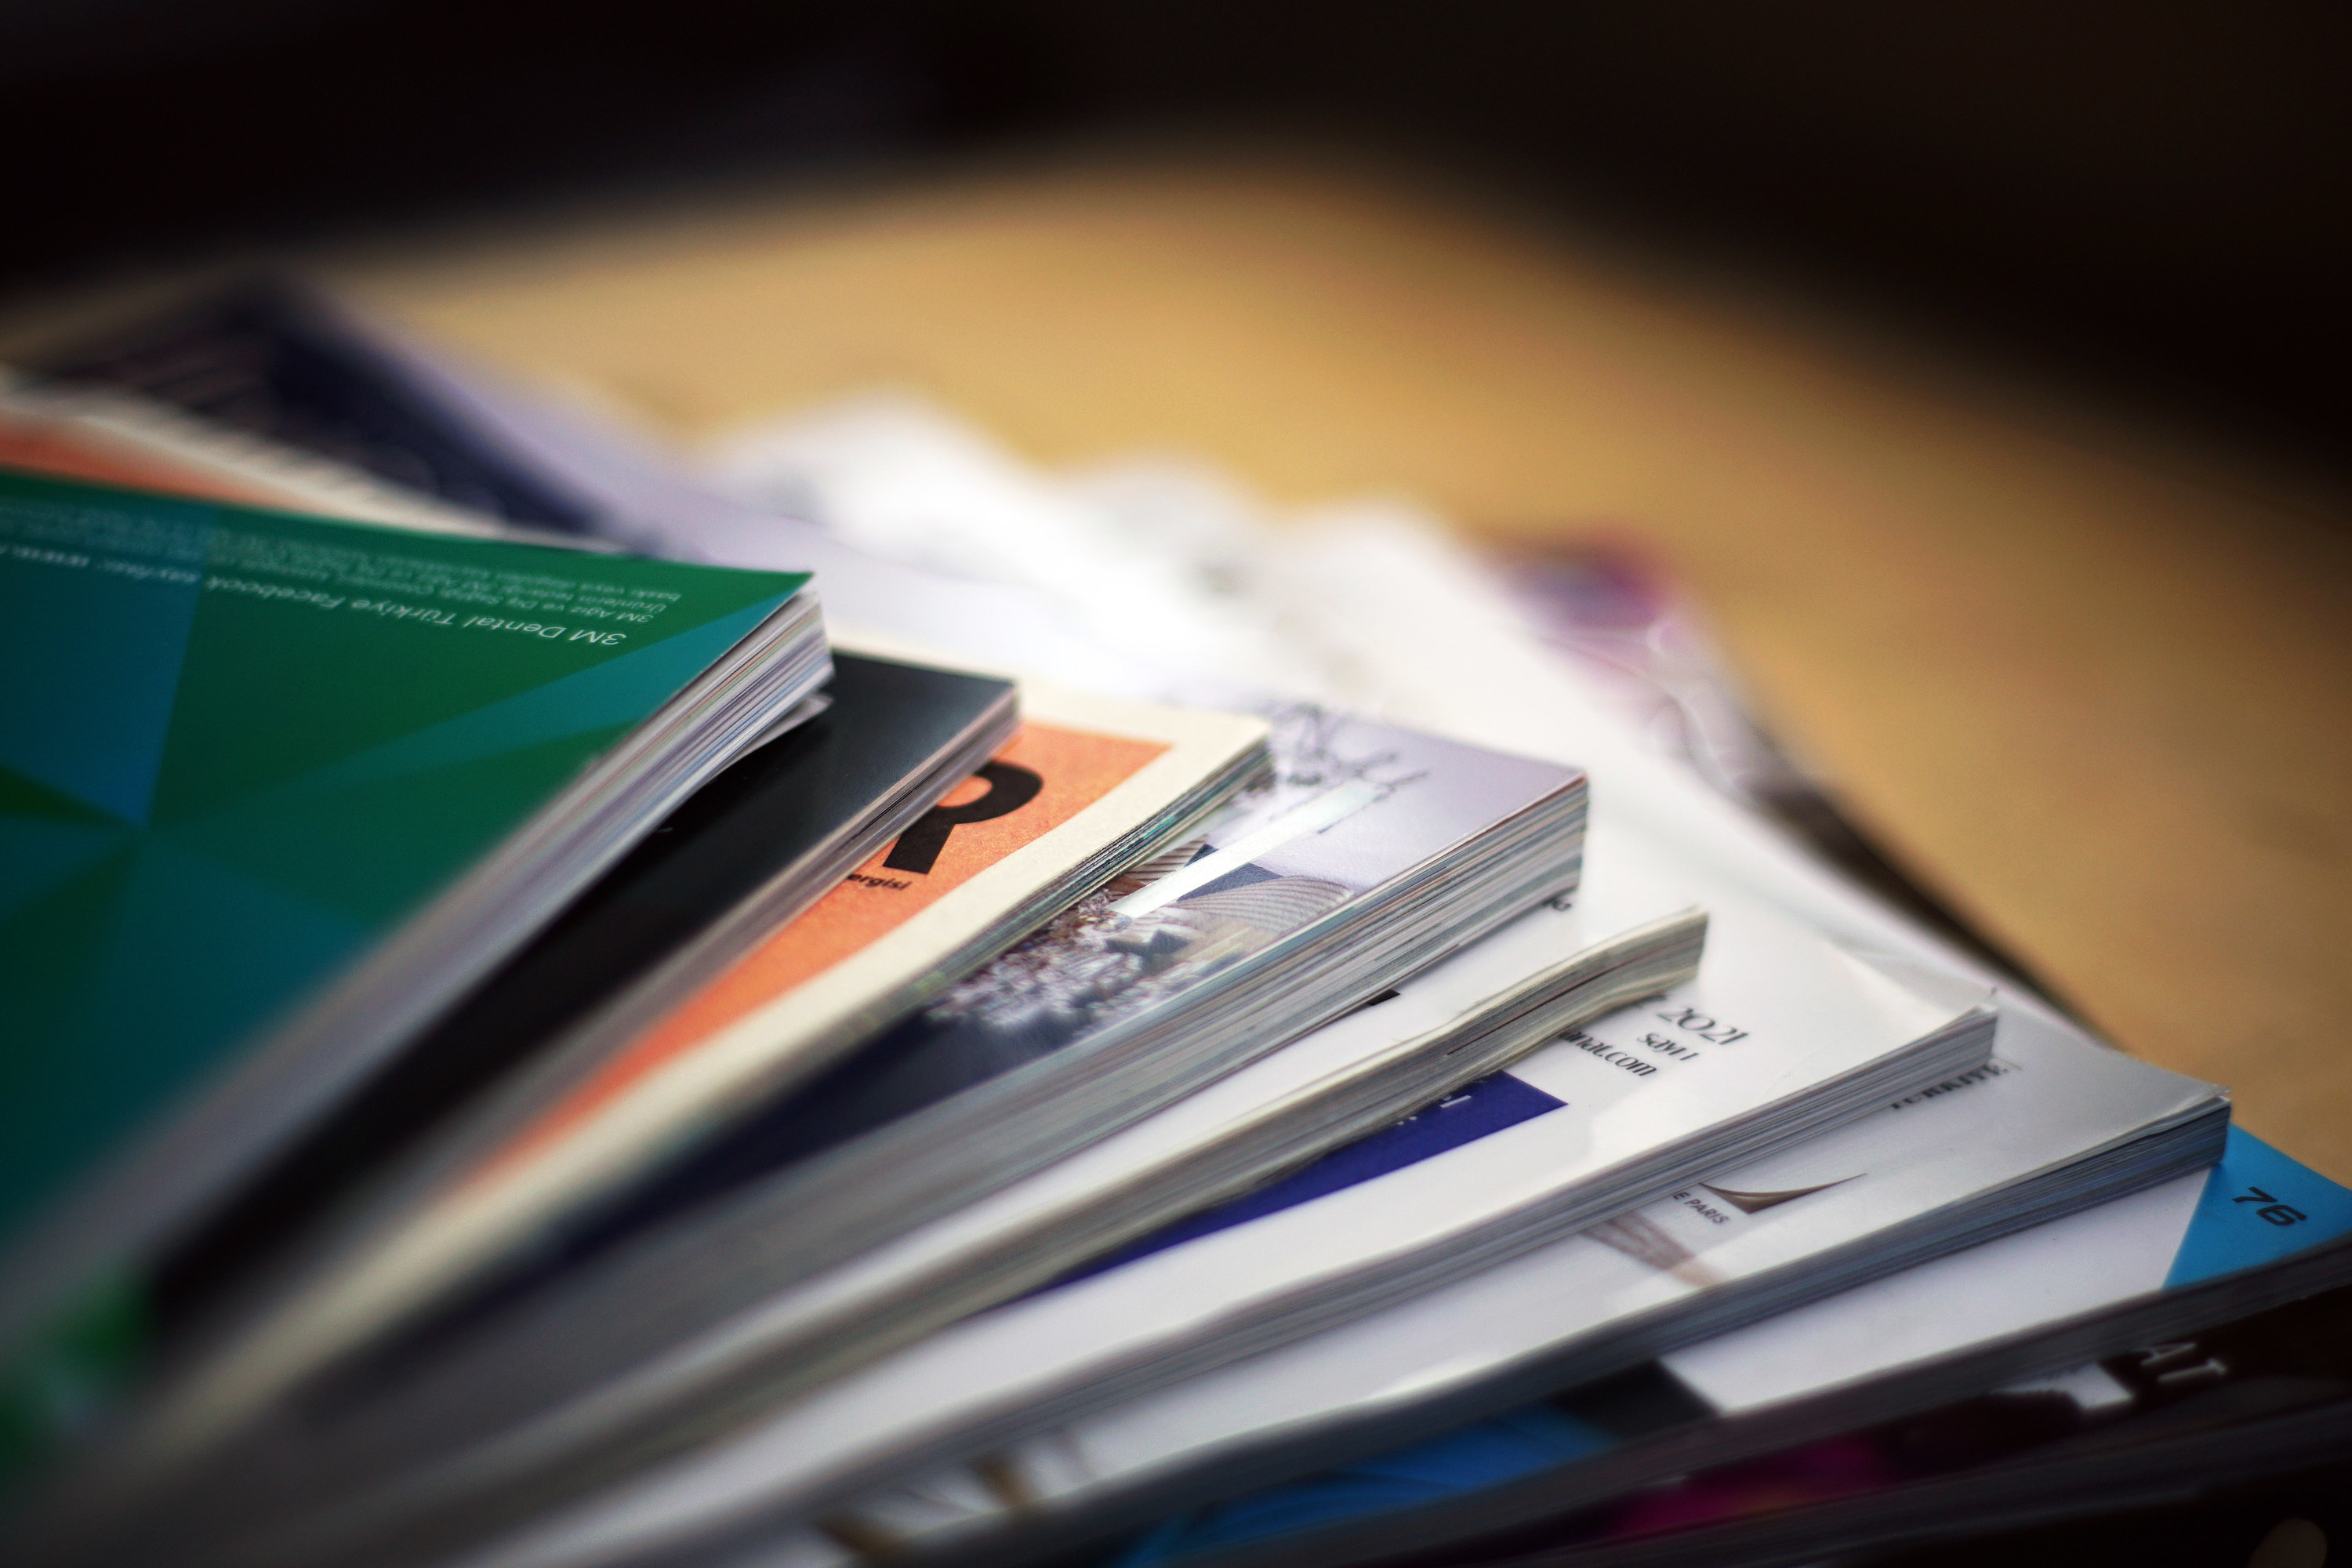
(197, 952)
(52, 951)
(21, 796)
(41, 854)
(217, 683)
(620, 691)
(93, 662)
(347, 848)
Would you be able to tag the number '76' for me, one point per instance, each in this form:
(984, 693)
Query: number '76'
(2277, 1212)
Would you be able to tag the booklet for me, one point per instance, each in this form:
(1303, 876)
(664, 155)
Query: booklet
(1761, 1053)
(1500, 1338)
(2249, 1397)
(2158, 1265)
(2259, 1401)
(1086, 787)
(343, 771)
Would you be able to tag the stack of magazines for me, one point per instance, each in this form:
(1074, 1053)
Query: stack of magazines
(1130, 1036)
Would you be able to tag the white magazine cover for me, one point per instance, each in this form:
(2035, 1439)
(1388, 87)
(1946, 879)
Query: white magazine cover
(1639, 1283)
(2017, 1314)
(1777, 1016)
(2256, 1206)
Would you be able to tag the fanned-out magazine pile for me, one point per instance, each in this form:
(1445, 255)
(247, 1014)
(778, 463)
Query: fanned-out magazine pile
(843, 999)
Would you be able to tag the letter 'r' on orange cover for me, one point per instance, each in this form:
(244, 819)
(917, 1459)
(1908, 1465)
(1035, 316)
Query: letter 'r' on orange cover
(1067, 770)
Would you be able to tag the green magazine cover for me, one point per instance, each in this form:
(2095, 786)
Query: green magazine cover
(239, 749)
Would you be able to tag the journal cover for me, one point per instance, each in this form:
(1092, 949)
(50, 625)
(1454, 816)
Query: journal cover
(237, 747)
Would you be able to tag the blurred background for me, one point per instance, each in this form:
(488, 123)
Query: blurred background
(1978, 369)
(2148, 197)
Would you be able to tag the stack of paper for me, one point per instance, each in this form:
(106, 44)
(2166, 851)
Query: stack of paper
(282, 792)
(1184, 1121)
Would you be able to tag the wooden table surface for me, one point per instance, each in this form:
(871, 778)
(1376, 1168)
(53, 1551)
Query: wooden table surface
(2091, 681)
